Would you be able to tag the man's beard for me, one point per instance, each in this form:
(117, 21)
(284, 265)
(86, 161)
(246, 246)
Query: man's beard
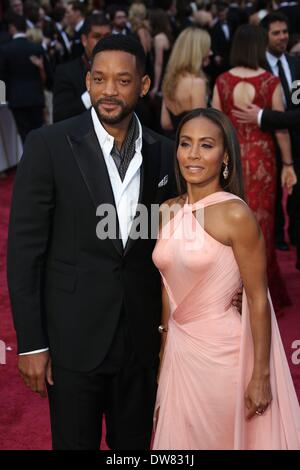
(125, 111)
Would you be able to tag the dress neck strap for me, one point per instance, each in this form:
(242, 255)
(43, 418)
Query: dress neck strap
(214, 198)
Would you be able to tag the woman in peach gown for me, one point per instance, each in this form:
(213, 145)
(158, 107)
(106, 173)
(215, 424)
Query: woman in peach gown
(224, 380)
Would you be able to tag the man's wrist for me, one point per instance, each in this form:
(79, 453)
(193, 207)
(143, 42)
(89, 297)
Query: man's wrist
(259, 117)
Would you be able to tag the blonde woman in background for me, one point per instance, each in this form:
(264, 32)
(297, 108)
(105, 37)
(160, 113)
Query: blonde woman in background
(185, 84)
(140, 25)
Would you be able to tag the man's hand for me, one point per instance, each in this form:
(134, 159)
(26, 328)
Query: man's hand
(237, 300)
(35, 369)
(37, 61)
(246, 115)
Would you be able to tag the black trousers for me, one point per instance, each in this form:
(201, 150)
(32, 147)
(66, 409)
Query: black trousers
(28, 119)
(120, 388)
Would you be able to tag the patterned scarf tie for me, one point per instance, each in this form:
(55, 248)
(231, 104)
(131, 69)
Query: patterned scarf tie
(123, 157)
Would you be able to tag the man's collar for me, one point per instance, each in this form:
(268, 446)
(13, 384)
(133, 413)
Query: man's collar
(273, 59)
(104, 136)
(19, 35)
(79, 25)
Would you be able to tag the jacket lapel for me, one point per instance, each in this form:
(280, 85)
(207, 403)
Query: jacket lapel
(90, 160)
(149, 177)
(292, 67)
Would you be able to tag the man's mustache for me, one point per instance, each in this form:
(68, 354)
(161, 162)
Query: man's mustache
(109, 101)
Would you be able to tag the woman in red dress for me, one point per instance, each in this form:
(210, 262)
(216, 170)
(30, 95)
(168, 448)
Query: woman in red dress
(246, 83)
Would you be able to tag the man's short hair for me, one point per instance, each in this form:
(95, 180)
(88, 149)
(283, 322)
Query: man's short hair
(112, 10)
(76, 5)
(95, 19)
(120, 42)
(273, 18)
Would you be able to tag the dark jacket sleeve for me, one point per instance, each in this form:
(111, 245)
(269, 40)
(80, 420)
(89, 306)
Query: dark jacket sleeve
(29, 230)
(66, 101)
(272, 120)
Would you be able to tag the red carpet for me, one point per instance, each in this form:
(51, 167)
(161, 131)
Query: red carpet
(24, 416)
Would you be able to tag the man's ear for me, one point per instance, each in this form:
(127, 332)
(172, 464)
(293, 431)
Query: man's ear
(88, 81)
(145, 86)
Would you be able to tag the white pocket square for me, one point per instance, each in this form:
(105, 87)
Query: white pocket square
(163, 182)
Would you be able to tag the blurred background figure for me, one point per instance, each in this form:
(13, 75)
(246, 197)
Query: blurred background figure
(185, 86)
(246, 83)
(119, 19)
(70, 96)
(287, 68)
(221, 35)
(22, 68)
(75, 18)
(162, 46)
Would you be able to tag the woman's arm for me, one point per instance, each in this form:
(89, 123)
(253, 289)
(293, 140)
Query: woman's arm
(288, 176)
(165, 119)
(249, 250)
(159, 54)
(145, 39)
(216, 102)
(164, 319)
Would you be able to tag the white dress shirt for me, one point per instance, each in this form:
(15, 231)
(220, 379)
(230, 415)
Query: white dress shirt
(226, 31)
(64, 36)
(272, 59)
(126, 193)
(79, 26)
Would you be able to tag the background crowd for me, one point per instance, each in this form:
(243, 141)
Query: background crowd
(229, 55)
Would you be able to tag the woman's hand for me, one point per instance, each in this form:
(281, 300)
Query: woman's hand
(288, 178)
(258, 396)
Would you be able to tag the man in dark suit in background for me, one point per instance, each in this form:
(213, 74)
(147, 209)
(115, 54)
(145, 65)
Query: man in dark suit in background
(270, 120)
(75, 19)
(221, 39)
(70, 96)
(287, 68)
(59, 18)
(23, 69)
(93, 301)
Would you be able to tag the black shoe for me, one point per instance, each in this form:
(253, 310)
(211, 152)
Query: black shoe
(282, 246)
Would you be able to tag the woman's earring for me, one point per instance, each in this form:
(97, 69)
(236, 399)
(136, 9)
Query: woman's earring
(226, 172)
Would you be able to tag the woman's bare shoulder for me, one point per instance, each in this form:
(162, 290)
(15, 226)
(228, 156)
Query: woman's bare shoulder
(240, 219)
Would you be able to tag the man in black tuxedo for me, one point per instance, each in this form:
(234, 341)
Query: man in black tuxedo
(70, 96)
(287, 68)
(270, 120)
(22, 68)
(75, 19)
(60, 34)
(94, 302)
(221, 33)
